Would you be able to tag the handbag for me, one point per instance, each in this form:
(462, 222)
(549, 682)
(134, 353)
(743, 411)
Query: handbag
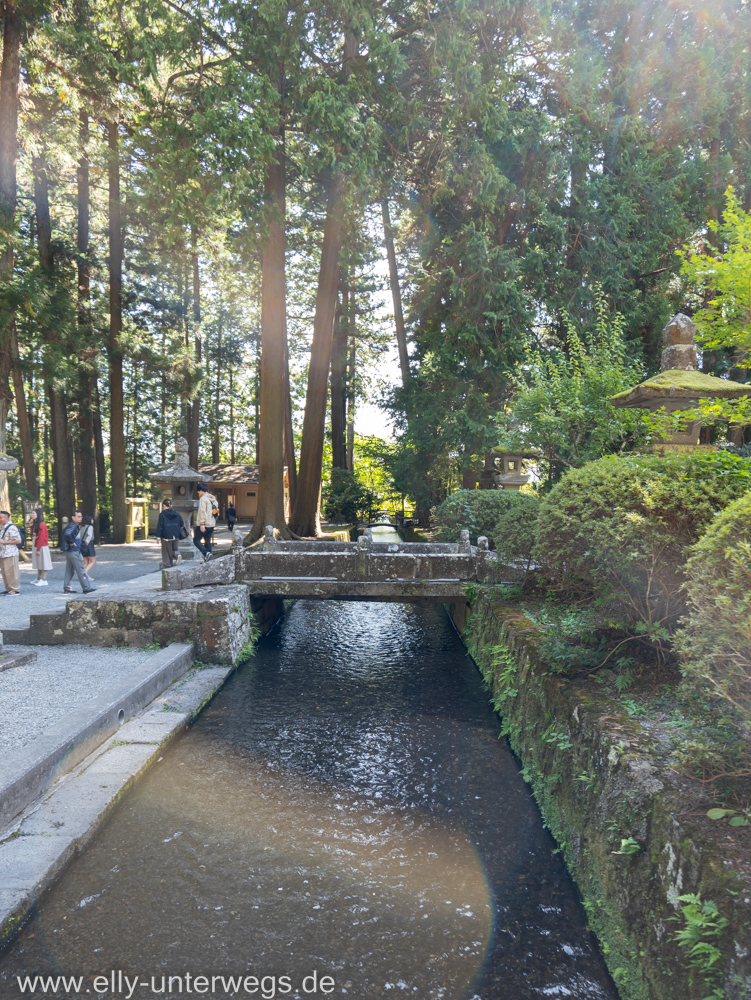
(183, 532)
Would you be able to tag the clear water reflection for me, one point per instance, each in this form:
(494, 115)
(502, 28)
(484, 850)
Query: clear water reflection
(344, 805)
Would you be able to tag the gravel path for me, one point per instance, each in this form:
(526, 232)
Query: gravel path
(62, 678)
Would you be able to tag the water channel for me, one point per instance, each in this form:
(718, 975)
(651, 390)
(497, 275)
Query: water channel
(343, 807)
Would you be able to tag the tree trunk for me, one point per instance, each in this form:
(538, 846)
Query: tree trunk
(289, 436)
(22, 413)
(273, 349)
(257, 401)
(62, 457)
(46, 459)
(62, 450)
(231, 414)
(469, 479)
(216, 439)
(101, 473)
(195, 407)
(351, 386)
(9, 78)
(306, 515)
(87, 484)
(396, 293)
(338, 374)
(115, 350)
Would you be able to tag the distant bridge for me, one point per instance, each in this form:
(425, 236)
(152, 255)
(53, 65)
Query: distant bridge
(355, 571)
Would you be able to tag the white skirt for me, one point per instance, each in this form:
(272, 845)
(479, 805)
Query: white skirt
(40, 558)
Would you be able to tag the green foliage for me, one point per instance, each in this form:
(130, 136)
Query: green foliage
(561, 401)
(505, 667)
(617, 529)
(514, 533)
(702, 926)
(720, 278)
(346, 500)
(248, 650)
(715, 641)
(480, 511)
(733, 817)
(629, 847)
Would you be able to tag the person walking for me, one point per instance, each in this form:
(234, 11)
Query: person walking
(10, 542)
(205, 522)
(41, 560)
(88, 552)
(168, 530)
(231, 518)
(73, 558)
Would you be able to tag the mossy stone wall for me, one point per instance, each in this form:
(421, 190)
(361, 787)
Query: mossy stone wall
(600, 777)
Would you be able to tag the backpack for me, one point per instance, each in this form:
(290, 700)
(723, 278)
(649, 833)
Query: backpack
(22, 533)
(214, 506)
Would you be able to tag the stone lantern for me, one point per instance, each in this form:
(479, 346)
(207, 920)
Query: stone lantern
(7, 463)
(504, 469)
(183, 481)
(679, 386)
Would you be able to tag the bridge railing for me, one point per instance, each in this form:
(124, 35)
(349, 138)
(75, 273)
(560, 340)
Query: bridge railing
(361, 561)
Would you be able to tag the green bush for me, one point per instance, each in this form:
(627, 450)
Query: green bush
(618, 529)
(514, 531)
(716, 638)
(478, 511)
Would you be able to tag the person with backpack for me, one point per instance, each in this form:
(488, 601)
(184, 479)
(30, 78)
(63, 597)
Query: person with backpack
(88, 552)
(231, 518)
(73, 558)
(41, 560)
(205, 521)
(10, 543)
(169, 531)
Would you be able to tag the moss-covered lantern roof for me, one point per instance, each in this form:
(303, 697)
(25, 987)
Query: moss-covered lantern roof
(500, 450)
(679, 385)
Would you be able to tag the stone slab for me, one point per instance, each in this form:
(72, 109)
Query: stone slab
(155, 727)
(76, 807)
(28, 771)
(15, 658)
(125, 760)
(215, 618)
(54, 829)
(26, 861)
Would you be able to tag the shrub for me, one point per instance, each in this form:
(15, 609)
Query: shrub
(345, 500)
(716, 638)
(514, 531)
(476, 510)
(619, 528)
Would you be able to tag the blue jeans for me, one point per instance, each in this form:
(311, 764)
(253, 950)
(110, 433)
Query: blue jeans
(202, 540)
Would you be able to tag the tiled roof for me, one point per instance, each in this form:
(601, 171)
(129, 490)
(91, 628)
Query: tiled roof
(230, 473)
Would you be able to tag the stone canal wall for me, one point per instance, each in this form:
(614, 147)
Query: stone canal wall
(602, 777)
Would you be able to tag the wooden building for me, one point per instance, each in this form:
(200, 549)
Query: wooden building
(235, 485)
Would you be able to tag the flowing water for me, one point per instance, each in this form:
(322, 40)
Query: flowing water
(343, 808)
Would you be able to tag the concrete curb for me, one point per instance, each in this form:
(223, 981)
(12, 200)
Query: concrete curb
(48, 835)
(28, 771)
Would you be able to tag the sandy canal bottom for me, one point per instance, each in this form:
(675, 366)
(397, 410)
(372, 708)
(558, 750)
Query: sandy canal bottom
(343, 808)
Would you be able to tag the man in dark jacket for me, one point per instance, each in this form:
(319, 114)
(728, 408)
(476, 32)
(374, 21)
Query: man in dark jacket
(168, 531)
(231, 518)
(73, 558)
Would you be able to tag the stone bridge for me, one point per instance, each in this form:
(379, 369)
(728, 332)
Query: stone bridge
(356, 571)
